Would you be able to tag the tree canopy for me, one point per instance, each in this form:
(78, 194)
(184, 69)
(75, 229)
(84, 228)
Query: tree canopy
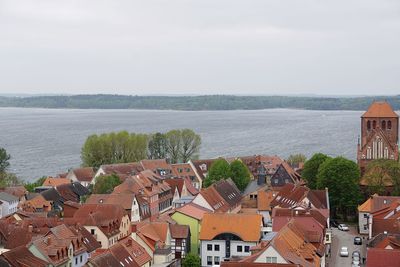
(105, 184)
(191, 260)
(122, 147)
(31, 186)
(240, 174)
(381, 173)
(4, 160)
(310, 169)
(342, 177)
(219, 170)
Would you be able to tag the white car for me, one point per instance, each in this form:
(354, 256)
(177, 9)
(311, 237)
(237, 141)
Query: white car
(343, 227)
(344, 252)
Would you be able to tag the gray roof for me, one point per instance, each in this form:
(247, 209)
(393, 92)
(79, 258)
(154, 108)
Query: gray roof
(7, 197)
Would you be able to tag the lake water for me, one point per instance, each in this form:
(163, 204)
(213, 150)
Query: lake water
(48, 141)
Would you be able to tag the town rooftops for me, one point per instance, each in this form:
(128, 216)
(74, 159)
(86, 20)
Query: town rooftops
(377, 257)
(179, 231)
(17, 191)
(124, 169)
(376, 202)
(256, 264)
(214, 199)
(123, 199)
(380, 109)
(157, 165)
(245, 226)
(264, 199)
(53, 182)
(228, 191)
(140, 255)
(7, 197)
(21, 257)
(154, 234)
(388, 241)
(84, 174)
(193, 210)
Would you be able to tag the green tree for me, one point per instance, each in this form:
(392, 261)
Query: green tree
(111, 148)
(191, 260)
(158, 146)
(31, 186)
(342, 177)
(190, 145)
(4, 160)
(296, 159)
(240, 174)
(219, 170)
(382, 172)
(311, 167)
(174, 142)
(105, 184)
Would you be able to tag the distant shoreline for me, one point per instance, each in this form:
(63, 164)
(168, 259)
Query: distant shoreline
(196, 103)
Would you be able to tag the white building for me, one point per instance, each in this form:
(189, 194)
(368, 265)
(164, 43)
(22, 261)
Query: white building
(9, 204)
(225, 235)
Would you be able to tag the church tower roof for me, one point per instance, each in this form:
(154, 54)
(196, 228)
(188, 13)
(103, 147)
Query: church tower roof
(380, 109)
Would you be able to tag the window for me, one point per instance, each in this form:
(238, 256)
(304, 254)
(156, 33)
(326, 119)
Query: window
(81, 258)
(365, 215)
(276, 181)
(216, 247)
(216, 260)
(389, 125)
(76, 261)
(384, 125)
(246, 248)
(209, 247)
(209, 260)
(272, 259)
(92, 231)
(239, 248)
(374, 124)
(368, 125)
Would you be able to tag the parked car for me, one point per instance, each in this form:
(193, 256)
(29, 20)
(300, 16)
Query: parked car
(344, 252)
(333, 223)
(357, 240)
(356, 262)
(343, 227)
(356, 254)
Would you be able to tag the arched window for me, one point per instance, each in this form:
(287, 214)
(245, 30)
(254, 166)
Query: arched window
(368, 125)
(389, 125)
(374, 124)
(383, 125)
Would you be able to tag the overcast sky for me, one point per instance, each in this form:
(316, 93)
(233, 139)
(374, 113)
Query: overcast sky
(200, 47)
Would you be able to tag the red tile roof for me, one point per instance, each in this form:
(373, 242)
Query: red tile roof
(153, 234)
(50, 181)
(377, 257)
(123, 199)
(246, 226)
(179, 231)
(214, 199)
(193, 210)
(380, 109)
(140, 255)
(22, 257)
(123, 169)
(176, 183)
(84, 174)
(256, 264)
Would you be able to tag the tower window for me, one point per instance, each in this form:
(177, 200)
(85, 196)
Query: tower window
(374, 124)
(368, 125)
(389, 125)
(383, 125)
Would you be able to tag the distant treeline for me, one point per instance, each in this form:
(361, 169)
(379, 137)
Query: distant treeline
(209, 102)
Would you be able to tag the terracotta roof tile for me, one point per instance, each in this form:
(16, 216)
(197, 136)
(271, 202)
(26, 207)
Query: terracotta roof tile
(139, 254)
(264, 199)
(256, 264)
(380, 109)
(84, 174)
(124, 169)
(193, 210)
(214, 199)
(377, 256)
(246, 226)
(22, 257)
(179, 231)
(50, 181)
(123, 199)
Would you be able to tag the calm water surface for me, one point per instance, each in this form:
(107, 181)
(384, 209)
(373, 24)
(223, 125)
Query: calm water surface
(48, 141)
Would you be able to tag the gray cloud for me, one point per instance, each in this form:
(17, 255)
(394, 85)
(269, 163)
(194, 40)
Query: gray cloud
(200, 47)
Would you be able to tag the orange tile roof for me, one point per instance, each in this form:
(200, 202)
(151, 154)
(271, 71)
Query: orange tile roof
(50, 181)
(264, 199)
(213, 198)
(154, 234)
(246, 226)
(123, 199)
(380, 109)
(84, 174)
(366, 206)
(193, 210)
(140, 255)
(38, 202)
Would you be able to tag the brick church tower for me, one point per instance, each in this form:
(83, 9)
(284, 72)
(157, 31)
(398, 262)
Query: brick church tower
(379, 134)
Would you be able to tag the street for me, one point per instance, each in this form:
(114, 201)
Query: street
(340, 239)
